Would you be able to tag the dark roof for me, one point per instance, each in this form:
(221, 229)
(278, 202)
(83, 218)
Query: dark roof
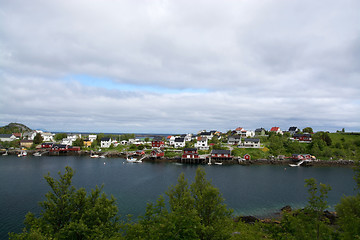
(235, 137)
(179, 139)
(218, 151)
(251, 140)
(292, 129)
(190, 149)
(302, 135)
(59, 145)
(259, 129)
(105, 139)
(5, 135)
(205, 133)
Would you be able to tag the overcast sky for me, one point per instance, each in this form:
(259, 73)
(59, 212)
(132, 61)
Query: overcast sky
(180, 66)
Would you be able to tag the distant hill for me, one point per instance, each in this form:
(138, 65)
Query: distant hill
(14, 127)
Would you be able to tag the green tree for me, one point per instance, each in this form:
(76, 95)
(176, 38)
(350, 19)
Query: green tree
(60, 136)
(69, 213)
(308, 130)
(348, 211)
(209, 204)
(195, 212)
(79, 142)
(38, 138)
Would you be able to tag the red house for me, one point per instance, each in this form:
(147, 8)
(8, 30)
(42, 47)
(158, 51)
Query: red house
(190, 153)
(221, 155)
(157, 153)
(306, 137)
(157, 142)
(47, 145)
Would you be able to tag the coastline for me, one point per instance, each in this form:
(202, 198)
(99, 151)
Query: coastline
(113, 154)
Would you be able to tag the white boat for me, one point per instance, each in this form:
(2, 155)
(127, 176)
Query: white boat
(94, 156)
(6, 153)
(102, 156)
(133, 160)
(218, 163)
(37, 154)
(23, 153)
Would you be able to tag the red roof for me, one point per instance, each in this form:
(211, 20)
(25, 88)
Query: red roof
(239, 129)
(274, 129)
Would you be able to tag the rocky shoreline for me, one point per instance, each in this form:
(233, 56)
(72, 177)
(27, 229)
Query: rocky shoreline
(114, 154)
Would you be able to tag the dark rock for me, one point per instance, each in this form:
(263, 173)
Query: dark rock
(248, 219)
(287, 208)
(331, 216)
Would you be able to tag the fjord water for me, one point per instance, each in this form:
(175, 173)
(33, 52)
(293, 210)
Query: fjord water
(249, 190)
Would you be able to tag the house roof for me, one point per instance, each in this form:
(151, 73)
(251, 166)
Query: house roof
(5, 135)
(275, 129)
(179, 139)
(235, 137)
(219, 151)
(302, 135)
(293, 129)
(105, 139)
(255, 140)
(190, 149)
(239, 129)
(205, 134)
(259, 129)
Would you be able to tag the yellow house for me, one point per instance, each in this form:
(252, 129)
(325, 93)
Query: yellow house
(26, 143)
(87, 143)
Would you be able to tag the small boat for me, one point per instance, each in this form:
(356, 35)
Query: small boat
(133, 160)
(218, 163)
(37, 154)
(23, 153)
(6, 153)
(94, 156)
(102, 156)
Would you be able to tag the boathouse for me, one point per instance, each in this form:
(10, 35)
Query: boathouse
(190, 155)
(221, 155)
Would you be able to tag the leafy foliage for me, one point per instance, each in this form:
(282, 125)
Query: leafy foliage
(195, 212)
(69, 213)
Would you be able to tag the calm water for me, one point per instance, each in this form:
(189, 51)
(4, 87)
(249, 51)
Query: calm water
(250, 190)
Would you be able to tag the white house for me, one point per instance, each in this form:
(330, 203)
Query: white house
(208, 135)
(7, 137)
(276, 130)
(92, 137)
(202, 143)
(171, 140)
(105, 142)
(234, 140)
(250, 143)
(47, 136)
(179, 142)
(67, 141)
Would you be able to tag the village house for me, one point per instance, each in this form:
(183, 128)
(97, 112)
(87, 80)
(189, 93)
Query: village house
(305, 137)
(208, 135)
(18, 135)
(47, 145)
(234, 140)
(92, 137)
(87, 143)
(190, 155)
(260, 132)
(7, 137)
(250, 143)
(293, 130)
(26, 143)
(67, 141)
(29, 135)
(221, 155)
(171, 140)
(157, 153)
(179, 142)
(244, 133)
(202, 143)
(105, 142)
(47, 136)
(276, 130)
(157, 142)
